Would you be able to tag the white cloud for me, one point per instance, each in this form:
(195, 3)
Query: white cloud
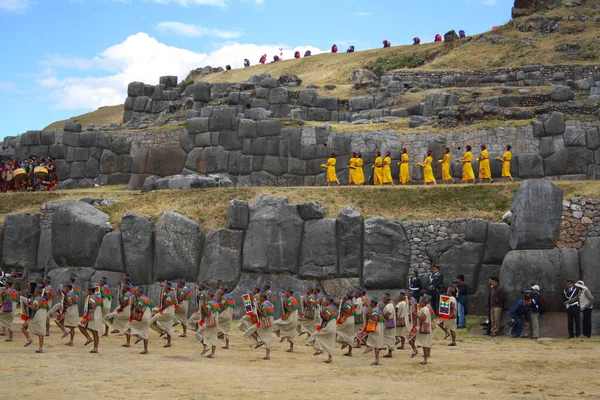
(7, 86)
(189, 30)
(187, 3)
(361, 13)
(15, 5)
(139, 58)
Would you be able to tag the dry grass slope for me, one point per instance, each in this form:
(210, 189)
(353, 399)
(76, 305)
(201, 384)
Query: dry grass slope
(102, 116)
(209, 207)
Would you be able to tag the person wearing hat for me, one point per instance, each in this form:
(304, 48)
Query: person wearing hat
(375, 339)
(92, 318)
(378, 169)
(9, 299)
(449, 325)
(415, 284)
(264, 331)
(323, 340)
(424, 338)
(246, 324)
(573, 306)
(387, 169)
(351, 169)
(184, 297)
(330, 166)
(36, 324)
(359, 173)
(285, 327)
(586, 302)
(402, 320)
(139, 322)
(210, 334)
(536, 309)
(436, 282)
(119, 318)
(163, 321)
(404, 169)
(227, 305)
(70, 315)
(106, 296)
(267, 288)
(389, 332)
(307, 321)
(71, 281)
(345, 323)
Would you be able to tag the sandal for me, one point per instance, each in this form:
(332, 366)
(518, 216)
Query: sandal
(289, 351)
(423, 362)
(266, 358)
(39, 351)
(375, 363)
(28, 343)
(144, 352)
(414, 354)
(125, 345)
(88, 342)
(64, 335)
(452, 344)
(182, 335)
(93, 351)
(210, 356)
(328, 361)
(204, 352)
(259, 344)
(139, 340)
(347, 354)
(167, 345)
(387, 356)
(400, 347)
(447, 336)
(69, 344)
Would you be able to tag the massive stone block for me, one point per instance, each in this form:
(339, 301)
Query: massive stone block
(555, 124)
(165, 161)
(223, 119)
(386, 254)
(568, 161)
(589, 260)
(238, 215)
(137, 237)
(463, 259)
(110, 255)
(108, 162)
(222, 256)
(21, 239)
(350, 240)
(45, 259)
(497, 243)
(120, 145)
(208, 160)
(530, 166)
(311, 210)
(77, 233)
(274, 235)
(319, 249)
(178, 243)
(536, 208)
(547, 268)
(478, 301)
(476, 231)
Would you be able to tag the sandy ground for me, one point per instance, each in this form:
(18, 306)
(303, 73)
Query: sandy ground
(478, 367)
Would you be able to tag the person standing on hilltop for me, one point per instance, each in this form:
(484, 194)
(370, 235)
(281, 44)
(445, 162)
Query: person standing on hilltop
(485, 172)
(246, 63)
(446, 176)
(386, 44)
(468, 175)
(404, 170)
(359, 174)
(263, 59)
(330, 167)
(387, 170)
(334, 48)
(427, 170)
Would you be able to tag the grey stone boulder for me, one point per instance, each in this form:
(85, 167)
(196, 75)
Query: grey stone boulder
(497, 243)
(278, 95)
(530, 166)
(569, 161)
(137, 238)
(274, 236)
(45, 259)
(386, 254)
(165, 161)
(223, 119)
(319, 249)
(362, 78)
(71, 126)
(555, 124)
(589, 255)
(201, 91)
(238, 214)
(110, 256)
(149, 184)
(592, 138)
(350, 240)
(197, 125)
(476, 231)
(222, 256)
(466, 259)
(308, 98)
(561, 93)
(108, 162)
(574, 137)
(537, 209)
(77, 233)
(550, 145)
(311, 210)
(547, 268)
(21, 240)
(178, 243)
(434, 100)
(361, 103)
(207, 160)
(416, 121)
(120, 145)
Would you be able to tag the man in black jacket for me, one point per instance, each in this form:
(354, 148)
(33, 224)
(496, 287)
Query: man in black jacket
(415, 285)
(436, 281)
(462, 300)
(572, 303)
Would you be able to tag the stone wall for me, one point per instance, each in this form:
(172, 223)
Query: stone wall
(580, 220)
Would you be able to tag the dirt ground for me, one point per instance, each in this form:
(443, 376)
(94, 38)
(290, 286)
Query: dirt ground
(478, 367)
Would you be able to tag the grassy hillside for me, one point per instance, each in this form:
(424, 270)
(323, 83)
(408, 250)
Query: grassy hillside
(209, 207)
(102, 116)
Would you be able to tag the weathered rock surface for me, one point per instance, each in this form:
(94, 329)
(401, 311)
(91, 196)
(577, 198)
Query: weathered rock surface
(319, 249)
(311, 210)
(110, 255)
(238, 214)
(21, 239)
(497, 243)
(137, 237)
(222, 256)
(350, 239)
(463, 259)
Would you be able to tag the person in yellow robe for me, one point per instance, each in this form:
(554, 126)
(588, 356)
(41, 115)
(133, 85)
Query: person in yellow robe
(446, 176)
(506, 164)
(427, 170)
(359, 174)
(404, 171)
(467, 173)
(330, 166)
(387, 170)
(378, 170)
(351, 169)
(485, 173)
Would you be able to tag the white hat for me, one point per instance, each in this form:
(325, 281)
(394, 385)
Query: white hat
(580, 285)
(535, 287)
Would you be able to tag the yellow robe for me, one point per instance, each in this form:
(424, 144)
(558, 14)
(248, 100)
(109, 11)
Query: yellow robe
(484, 166)
(427, 170)
(359, 175)
(446, 176)
(378, 177)
(331, 175)
(351, 170)
(387, 170)
(467, 173)
(404, 172)
(506, 165)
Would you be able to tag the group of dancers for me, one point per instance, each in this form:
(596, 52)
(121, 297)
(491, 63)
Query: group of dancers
(352, 321)
(382, 172)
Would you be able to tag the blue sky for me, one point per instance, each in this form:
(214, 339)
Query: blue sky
(66, 57)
